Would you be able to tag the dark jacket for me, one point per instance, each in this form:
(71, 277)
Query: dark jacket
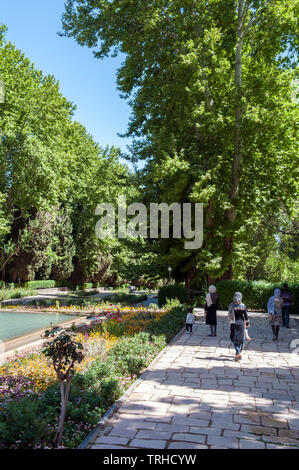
(211, 317)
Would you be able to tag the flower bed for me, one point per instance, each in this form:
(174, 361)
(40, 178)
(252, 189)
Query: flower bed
(116, 353)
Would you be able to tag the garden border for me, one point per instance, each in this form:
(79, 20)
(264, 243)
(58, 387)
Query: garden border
(122, 399)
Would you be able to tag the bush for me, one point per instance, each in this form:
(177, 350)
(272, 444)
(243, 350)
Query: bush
(128, 299)
(175, 291)
(2, 285)
(86, 285)
(38, 284)
(22, 425)
(7, 294)
(170, 324)
(255, 293)
(133, 354)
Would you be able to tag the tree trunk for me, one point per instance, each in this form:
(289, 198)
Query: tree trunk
(64, 393)
(230, 215)
(187, 282)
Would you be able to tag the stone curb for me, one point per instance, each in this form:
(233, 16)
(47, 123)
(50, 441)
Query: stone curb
(123, 398)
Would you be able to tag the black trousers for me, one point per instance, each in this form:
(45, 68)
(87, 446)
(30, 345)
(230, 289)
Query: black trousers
(275, 330)
(189, 327)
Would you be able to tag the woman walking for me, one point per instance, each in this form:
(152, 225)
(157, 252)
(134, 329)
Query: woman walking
(274, 307)
(237, 315)
(211, 306)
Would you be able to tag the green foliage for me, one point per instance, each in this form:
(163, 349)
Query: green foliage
(211, 87)
(22, 425)
(39, 284)
(173, 291)
(52, 177)
(170, 324)
(128, 299)
(255, 293)
(65, 351)
(7, 294)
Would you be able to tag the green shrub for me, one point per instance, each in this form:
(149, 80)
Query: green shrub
(128, 299)
(97, 284)
(133, 354)
(111, 390)
(86, 285)
(22, 425)
(39, 284)
(7, 294)
(170, 324)
(255, 293)
(174, 291)
(2, 285)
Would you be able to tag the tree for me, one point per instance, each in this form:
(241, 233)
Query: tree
(52, 176)
(211, 86)
(65, 351)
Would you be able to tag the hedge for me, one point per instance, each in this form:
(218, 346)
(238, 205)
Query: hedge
(128, 299)
(38, 284)
(255, 293)
(174, 291)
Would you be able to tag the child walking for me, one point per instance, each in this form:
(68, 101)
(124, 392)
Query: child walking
(190, 319)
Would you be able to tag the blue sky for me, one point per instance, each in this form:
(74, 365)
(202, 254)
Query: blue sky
(88, 82)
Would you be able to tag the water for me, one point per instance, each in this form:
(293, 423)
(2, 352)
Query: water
(14, 324)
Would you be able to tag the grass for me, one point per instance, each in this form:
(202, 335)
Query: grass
(7, 294)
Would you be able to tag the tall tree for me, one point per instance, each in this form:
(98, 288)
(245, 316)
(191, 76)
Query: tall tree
(210, 85)
(52, 176)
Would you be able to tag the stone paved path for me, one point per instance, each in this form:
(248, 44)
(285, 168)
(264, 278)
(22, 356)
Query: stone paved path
(194, 396)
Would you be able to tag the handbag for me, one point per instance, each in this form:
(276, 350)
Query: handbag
(271, 317)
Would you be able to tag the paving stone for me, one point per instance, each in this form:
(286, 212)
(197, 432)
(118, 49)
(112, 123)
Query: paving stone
(260, 430)
(281, 440)
(206, 431)
(186, 445)
(225, 424)
(294, 424)
(288, 433)
(107, 446)
(273, 423)
(190, 421)
(249, 444)
(172, 427)
(240, 419)
(158, 419)
(188, 437)
(123, 432)
(112, 440)
(202, 415)
(224, 442)
(148, 444)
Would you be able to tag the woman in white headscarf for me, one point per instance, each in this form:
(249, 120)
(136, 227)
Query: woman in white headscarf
(211, 306)
(274, 307)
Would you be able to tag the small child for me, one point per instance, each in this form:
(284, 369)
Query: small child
(190, 319)
(246, 335)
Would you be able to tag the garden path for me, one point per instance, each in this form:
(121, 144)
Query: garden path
(195, 396)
